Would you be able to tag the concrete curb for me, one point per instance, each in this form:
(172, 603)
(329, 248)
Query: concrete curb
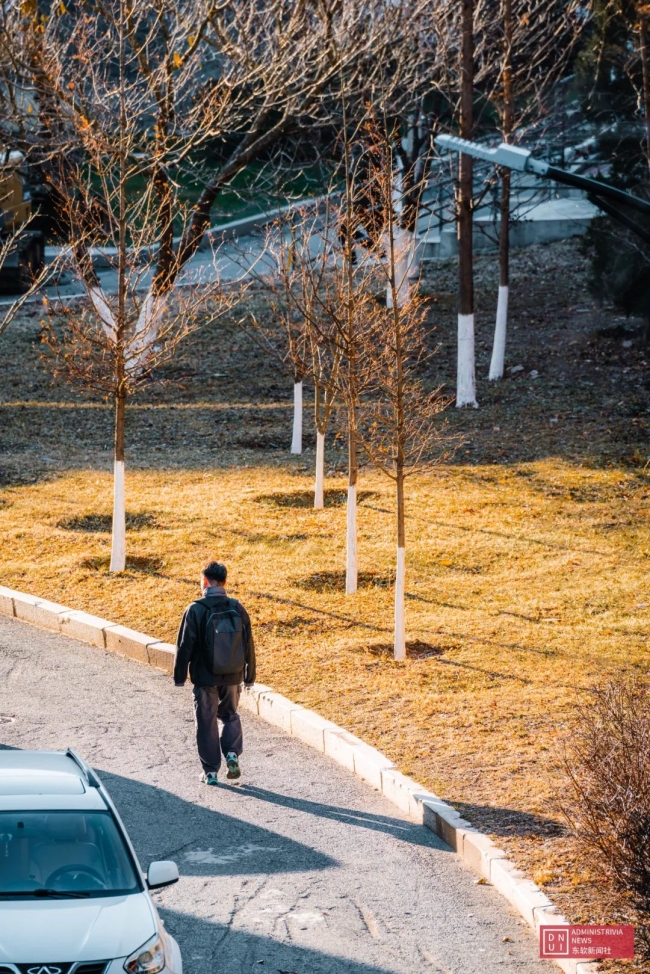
(476, 849)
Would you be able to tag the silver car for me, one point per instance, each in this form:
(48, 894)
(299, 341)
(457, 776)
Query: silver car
(73, 898)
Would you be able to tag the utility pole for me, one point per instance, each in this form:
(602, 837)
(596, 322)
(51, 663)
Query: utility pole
(466, 379)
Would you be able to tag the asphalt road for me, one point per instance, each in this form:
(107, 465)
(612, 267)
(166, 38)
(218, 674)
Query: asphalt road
(230, 262)
(301, 870)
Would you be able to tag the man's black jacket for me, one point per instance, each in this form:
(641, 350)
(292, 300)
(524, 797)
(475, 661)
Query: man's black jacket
(190, 645)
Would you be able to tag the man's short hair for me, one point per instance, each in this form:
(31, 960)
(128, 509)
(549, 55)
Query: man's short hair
(216, 572)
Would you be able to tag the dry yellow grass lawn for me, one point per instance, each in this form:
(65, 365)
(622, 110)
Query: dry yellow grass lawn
(523, 588)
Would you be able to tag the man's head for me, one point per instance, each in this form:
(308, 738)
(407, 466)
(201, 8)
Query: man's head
(214, 574)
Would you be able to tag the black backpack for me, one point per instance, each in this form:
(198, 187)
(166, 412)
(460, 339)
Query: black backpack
(224, 637)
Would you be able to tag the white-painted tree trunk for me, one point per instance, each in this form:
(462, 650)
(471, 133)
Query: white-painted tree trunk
(103, 310)
(296, 441)
(415, 259)
(319, 494)
(118, 546)
(405, 250)
(400, 625)
(402, 255)
(147, 328)
(499, 347)
(466, 378)
(351, 564)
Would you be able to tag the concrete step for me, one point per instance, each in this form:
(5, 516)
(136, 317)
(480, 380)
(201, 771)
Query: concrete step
(556, 219)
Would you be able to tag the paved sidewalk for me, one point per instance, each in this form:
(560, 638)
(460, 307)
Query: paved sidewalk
(302, 870)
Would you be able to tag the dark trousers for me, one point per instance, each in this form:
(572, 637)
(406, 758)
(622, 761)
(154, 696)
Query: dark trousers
(211, 705)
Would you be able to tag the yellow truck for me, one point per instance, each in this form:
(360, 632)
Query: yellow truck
(26, 255)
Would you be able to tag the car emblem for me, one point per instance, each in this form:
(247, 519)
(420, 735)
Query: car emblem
(45, 969)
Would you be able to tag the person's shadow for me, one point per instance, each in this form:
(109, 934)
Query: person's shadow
(203, 841)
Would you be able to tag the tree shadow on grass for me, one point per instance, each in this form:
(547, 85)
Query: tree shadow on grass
(358, 624)
(103, 523)
(333, 497)
(138, 564)
(510, 822)
(351, 623)
(333, 581)
(262, 537)
(507, 535)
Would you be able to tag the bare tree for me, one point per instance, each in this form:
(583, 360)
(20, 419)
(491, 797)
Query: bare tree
(112, 192)
(503, 55)
(375, 345)
(399, 424)
(282, 332)
(12, 307)
(606, 791)
(413, 152)
(536, 38)
(108, 354)
(232, 77)
(304, 263)
(327, 288)
(326, 362)
(460, 45)
(293, 330)
(131, 96)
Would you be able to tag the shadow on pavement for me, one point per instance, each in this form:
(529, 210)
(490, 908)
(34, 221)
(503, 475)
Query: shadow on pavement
(202, 841)
(212, 947)
(399, 828)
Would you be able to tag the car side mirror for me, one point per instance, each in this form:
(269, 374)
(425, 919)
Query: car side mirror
(163, 873)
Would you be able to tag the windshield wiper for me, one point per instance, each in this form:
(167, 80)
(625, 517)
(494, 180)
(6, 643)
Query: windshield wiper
(53, 893)
(75, 894)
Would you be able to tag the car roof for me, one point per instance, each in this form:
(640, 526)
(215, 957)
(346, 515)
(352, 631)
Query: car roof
(46, 780)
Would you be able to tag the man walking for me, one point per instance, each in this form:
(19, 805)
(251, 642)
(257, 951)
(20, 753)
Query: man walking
(216, 643)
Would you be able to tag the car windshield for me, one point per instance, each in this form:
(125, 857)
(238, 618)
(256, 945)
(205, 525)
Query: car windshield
(64, 853)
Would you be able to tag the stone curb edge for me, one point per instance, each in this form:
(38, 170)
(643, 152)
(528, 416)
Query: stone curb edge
(478, 851)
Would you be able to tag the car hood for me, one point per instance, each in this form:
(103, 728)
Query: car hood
(61, 931)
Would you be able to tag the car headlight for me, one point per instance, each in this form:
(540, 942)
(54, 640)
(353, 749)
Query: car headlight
(148, 959)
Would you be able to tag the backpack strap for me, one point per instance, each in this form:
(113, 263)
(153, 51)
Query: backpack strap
(205, 601)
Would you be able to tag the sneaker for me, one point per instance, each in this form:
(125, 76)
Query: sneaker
(232, 763)
(210, 778)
